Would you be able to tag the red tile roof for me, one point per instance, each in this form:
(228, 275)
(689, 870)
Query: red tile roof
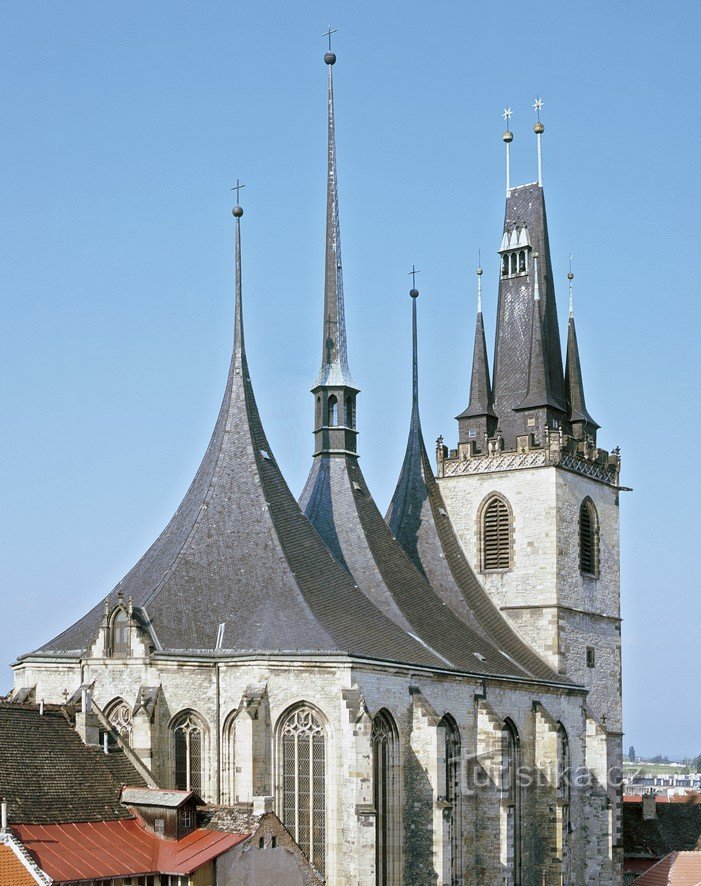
(675, 869)
(87, 850)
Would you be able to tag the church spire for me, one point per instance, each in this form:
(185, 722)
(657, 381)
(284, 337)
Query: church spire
(335, 391)
(239, 345)
(583, 425)
(539, 394)
(479, 419)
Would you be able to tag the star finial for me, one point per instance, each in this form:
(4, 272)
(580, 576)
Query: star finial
(507, 115)
(537, 105)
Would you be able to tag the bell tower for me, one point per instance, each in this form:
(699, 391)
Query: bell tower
(534, 499)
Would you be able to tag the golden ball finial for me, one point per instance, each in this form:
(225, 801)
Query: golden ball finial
(508, 136)
(539, 129)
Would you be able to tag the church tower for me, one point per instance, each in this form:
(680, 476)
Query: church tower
(534, 500)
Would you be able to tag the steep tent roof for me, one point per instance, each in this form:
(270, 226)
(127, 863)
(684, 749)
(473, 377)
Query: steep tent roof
(238, 551)
(419, 520)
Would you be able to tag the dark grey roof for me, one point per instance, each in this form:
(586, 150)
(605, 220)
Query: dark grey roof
(481, 403)
(525, 205)
(539, 392)
(239, 551)
(574, 386)
(418, 518)
(48, 775)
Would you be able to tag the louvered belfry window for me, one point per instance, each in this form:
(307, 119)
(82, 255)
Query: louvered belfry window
(304, 782)
(588, 539)
(496, 535)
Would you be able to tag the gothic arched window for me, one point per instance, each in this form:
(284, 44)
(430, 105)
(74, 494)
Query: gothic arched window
(511, 804)
(505, 266)
(385, 786)
(496, 534)
(333, 410)
(522, 262)
(564, 780)
(229, 759)
(513, 263)
(188, 736)
(120, 633)
(303, 756)
(453, 795)
(588, 538)
(119, 716)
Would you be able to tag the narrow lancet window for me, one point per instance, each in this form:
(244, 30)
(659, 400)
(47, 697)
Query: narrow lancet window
(588, 539)
(510, 805)
(522, 262)
(496, 535)
(333, 410)
(350, 411)
(303, 754)
(188, 736)
(120, 634)
(564, 781)
(453, 796)
(384, 764)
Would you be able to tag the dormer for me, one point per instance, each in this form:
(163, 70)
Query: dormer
(124, 632)
(515, 251)
(168, 814)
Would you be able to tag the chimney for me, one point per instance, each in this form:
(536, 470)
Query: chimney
(3, 817)
(649, 807)
(262, 804)
(86, 723)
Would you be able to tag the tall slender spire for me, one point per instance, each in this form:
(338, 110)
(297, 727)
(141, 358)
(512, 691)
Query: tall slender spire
(479, 418)
(334, 390)
(334, 354)
(507, 138)
(583, 425)
(539, 129)
(239, 345)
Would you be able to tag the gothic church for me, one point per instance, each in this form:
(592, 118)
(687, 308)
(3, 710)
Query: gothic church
(433, 697)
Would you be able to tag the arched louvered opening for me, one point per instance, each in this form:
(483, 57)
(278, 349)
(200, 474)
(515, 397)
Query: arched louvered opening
(333, 410)
(505, 266)
(522, 262)
(453, 796)
(385, 795)
(496, 534)
(588, 538)
(120, 634)
(350, 411)
(188, 739)
(564, 781)
(514, 260)
(511, 803)
(302, 746)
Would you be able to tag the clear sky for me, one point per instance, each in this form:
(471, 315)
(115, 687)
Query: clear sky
(124, 125)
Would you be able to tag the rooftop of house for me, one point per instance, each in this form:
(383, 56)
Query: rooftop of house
(675, 869)
(675, 826)
(47, 773)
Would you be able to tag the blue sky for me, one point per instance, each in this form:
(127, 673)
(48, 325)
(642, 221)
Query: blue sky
(125, 125)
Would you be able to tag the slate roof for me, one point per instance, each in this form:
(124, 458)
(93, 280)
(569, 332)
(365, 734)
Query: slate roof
(168, 799)
(239, 551)
(481, 401)
(512, 353)
(418, 518)
(574, 386)
(48, 775)
(676, 826)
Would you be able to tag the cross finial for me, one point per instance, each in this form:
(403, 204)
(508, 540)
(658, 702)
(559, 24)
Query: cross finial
(412, 273)
(237, 187)
(328, 34)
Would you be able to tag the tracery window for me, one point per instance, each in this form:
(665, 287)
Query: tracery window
(588, 538)
(511, 804)
(385, 764)
(453, 795)
(120, 720)
(188, 734)
(496, 534)
(120, 634)
(303, 753)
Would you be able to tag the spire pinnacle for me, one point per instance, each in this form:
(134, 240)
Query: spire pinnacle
(334, 356)
(507, 138)
(539, 129)
(479, 272)
(414, 293)
(570, 278)
(237, 212)
(536, 283)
